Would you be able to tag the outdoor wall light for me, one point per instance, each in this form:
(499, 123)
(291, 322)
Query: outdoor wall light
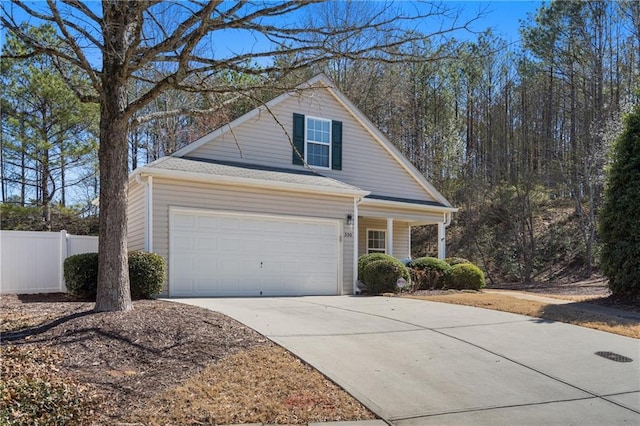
(349, 219)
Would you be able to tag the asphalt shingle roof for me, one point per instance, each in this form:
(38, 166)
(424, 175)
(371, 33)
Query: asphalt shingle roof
(249, 171)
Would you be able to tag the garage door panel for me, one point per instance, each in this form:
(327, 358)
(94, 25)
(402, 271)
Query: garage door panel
(182, 221)
(183, 242)
(207, 243)
(226, 254)
(208, 222)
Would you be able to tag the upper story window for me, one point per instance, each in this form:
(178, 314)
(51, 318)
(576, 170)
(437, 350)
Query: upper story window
(318, 142)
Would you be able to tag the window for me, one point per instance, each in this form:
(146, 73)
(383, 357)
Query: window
(376, 241)
(318, 139)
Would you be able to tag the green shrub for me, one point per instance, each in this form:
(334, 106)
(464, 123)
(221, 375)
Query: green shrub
(365, 259)
(456, 260)
(81, 275)
(429, 272)
(619, 224)
(465, 276)
(146, 274)
(381, 276)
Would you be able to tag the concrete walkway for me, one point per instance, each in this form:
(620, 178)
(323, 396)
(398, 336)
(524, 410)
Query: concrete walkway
(414, 362)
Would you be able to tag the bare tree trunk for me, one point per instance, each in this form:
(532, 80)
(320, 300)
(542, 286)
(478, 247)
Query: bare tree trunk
(63, 197)
(112, 258)
(23, 168)
(135, 143)
(113, 270)
(44, 189)
(3, 181)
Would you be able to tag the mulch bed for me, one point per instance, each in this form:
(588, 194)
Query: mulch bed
(128, 357)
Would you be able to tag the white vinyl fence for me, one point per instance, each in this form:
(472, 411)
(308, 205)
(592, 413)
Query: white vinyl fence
(31, 262)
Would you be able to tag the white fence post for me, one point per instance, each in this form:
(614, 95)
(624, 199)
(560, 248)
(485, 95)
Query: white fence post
(63, 255)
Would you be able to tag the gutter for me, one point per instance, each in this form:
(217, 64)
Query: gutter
(445, 209)
(356, 201)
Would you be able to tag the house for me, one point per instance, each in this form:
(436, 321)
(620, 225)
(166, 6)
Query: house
(239, 213)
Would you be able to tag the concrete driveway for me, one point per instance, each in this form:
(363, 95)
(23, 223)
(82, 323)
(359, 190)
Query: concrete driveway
(420, 363)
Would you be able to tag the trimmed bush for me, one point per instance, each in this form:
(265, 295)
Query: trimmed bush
(465, 276)
(381, 276)
(429, 272)
(146, 274)
(365, 259)
(456, 260)
(81, 275)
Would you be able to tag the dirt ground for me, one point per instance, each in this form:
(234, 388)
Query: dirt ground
(129, 363)
(594, 290)
(595, 286)
(581, 296)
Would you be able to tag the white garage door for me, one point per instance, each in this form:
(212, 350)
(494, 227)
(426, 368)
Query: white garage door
(228, 254)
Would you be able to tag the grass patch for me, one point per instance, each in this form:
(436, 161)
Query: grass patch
(238, 389)
(31, 393)
(567, 313)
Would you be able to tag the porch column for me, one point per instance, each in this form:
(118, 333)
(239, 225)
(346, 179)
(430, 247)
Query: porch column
(356, 290)
(390, 236)
(442, 245)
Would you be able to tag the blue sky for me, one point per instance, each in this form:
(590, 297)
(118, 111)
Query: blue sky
(502, 16)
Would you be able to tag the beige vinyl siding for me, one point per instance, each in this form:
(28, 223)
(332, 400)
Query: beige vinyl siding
(135, 217)
(167, 193)
(401, 237)
(401, 240)
(365, 163)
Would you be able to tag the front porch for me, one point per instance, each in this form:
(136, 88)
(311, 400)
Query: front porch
(393, 236)
(384, 226)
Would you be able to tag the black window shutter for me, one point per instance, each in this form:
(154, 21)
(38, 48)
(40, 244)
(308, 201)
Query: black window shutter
(336, 145)
(298, 138)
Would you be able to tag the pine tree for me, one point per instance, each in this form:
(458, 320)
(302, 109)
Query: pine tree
(620, 217)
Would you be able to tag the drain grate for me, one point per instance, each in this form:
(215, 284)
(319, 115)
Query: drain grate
(614, 356)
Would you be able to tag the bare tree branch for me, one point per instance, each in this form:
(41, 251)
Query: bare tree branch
(63, 26)
(137, 121)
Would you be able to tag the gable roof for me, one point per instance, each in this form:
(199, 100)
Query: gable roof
(322, 81)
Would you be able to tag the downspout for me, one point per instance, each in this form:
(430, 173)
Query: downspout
(447, 219)
(356, 201)
(148, 211)
(442, 244)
